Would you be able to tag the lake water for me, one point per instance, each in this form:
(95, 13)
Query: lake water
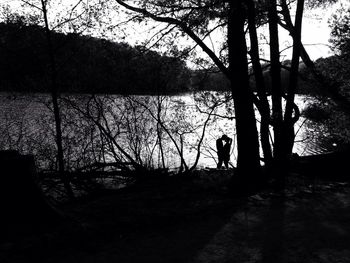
(150, 130)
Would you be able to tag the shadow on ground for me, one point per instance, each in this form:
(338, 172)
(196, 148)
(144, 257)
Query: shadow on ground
(194, 220)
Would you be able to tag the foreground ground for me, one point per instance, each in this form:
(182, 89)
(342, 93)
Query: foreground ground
(195, 220)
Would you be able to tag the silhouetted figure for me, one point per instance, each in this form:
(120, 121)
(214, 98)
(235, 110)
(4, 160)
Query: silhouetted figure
(220, 151)
(223, 150)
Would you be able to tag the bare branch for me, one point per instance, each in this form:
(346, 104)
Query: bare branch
(32, 5)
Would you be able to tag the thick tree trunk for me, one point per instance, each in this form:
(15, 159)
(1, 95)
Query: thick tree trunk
(248, 162)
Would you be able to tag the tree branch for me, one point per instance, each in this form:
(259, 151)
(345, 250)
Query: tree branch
(32, 5)
(184, 27)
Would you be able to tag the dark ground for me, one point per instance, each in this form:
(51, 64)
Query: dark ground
(195, 220)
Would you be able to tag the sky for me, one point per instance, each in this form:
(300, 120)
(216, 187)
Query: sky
(315, 35)
(315, 31)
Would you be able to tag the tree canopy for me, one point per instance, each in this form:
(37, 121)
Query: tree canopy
(340, 30)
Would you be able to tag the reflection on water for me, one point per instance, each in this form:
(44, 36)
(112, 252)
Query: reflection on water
(138, 124)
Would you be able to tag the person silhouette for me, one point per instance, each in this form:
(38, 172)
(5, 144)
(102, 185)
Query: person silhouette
(220, 151)
(223, 150)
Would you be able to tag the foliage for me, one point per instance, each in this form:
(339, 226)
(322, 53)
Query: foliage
(337, 70)
(340, 30)
(319, 3)
(332, 129)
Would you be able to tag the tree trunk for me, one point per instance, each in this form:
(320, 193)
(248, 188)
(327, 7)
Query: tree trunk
(248, 163)
(159, 131)
(276, 90)
(275, 72)
(54, 95)
(263, 107)
(289, 121)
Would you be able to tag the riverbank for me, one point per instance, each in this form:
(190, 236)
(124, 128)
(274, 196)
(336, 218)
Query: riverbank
(193, 219)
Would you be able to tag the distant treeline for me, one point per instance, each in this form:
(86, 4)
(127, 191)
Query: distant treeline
(215, 80)
(84, 64)
(91, 65)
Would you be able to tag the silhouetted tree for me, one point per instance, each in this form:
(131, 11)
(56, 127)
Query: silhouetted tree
(262, 104)
(193, 18)
(55, 99)
(197, 20)
(327, 86)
